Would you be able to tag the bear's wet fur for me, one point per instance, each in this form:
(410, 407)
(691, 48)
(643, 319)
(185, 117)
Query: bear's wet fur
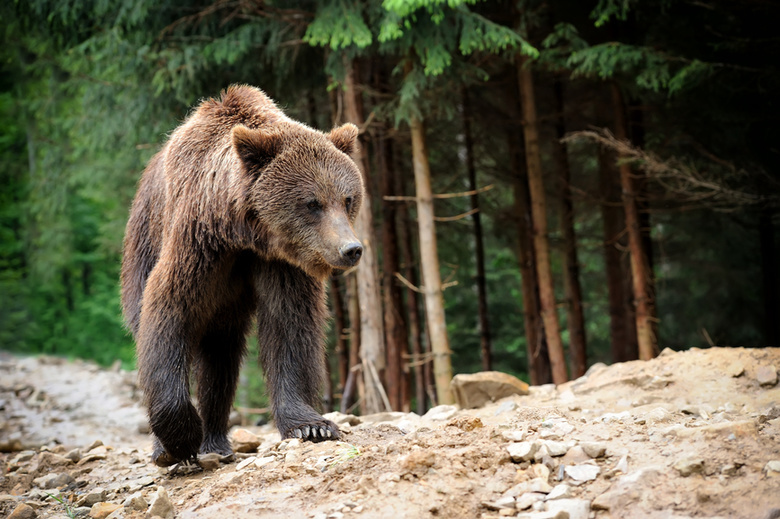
(241, 217)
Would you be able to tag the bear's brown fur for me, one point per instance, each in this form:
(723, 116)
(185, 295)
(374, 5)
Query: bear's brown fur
(242, 215)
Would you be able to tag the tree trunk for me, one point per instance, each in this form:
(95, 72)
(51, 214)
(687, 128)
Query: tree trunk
(536, 345)
(396, 338)
(479, 251)
(613, 220)
(412, 301)
(539, 212)
(434, 299)
(340, 329)
(372, 347)
(573, 290)
(643, 297)
(354, 380)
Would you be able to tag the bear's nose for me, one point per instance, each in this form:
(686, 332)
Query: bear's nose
(352, 252)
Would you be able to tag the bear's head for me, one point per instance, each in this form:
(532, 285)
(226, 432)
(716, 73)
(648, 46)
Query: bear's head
(302, 193)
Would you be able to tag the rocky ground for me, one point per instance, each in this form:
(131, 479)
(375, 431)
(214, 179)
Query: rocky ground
(689, 434)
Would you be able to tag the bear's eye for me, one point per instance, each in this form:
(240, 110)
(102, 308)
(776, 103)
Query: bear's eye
(348, 203)
(314, 206)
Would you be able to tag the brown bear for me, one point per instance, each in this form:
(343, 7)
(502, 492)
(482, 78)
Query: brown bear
(242, 215)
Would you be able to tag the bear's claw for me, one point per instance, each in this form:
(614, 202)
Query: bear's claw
(314, 433)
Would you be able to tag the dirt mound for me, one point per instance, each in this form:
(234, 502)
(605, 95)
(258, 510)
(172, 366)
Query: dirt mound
(689, 434)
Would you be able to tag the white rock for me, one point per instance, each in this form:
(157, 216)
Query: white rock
(582, 472)
(575, 508)
(161, 505)
(529, 498)
(513, 436)
(136, 502)
(557, 448)
(522, 451)
(262, 462)
(561, 491)
(440, 412)
(772, 467)
(245, 463)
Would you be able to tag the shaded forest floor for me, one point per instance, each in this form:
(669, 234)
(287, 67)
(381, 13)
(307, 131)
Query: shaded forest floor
(689, 434)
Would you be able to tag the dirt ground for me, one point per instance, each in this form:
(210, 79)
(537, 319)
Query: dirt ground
(688, 434)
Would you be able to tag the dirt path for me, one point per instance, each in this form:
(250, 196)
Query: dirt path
(690, 434)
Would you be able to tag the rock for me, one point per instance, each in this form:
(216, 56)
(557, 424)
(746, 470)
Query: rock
(245, 441)
(575, 456)
(477, 389)
(513, 436)
(53, 480)
(561, 514)
(629, 489)
(23, 511)
(209, 461)
(94, 444)
(536, 485)
(575, 508)
(245, 463)
(556, 449)
(526, 500)
(95, 496)
(440, 412)
(262, 462)
(689, 465)
(522, 451)
(582, 473)
(341, 418)
(74, 455)
(772, 468)
(593, 449)
(559, 492)
(161, 505)
(136, 502)
(735, 369)
(657, 415)
(22, 457)
(505, 407)
(766, 376)
(138, 484)
(103, 510)
(501, 502)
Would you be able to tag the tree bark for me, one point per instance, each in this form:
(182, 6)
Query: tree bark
(539, 212)
(429, 259)
(396, 338)
(641, 277)
(536, 345)
(613, 222)
(340, 328)
(573, 291)
(372, 347)
(479, 251)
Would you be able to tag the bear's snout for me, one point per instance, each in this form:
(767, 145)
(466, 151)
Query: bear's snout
(351, 252)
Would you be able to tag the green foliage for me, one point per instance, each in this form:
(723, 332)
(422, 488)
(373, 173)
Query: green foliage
(338, 26)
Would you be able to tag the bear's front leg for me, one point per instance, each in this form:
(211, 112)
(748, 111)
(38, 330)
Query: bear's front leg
(291, 320)
(164, 344)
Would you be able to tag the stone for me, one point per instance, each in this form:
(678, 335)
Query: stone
(501, 502)
(555, 448)
(526, 500)
(689, 465)
(262, 462)
(505, 407)
(161, 505)
(561, 491)
(561, 514)
(53, 480)
(522, 451)
(74, 455)
(477, 389)
(594, 449)
(209, 461)
(136, 502)
(772, 468)
(575, 508)
(23, 511)
(245, 441)
(245, 463)
(50, 459)
(582, 473)
(93, 445)
(537, 485)
(766, 376)
(575, 456)
(513, 436)
(95, 496)
(103, 510)
(736, 369)
(440, 412)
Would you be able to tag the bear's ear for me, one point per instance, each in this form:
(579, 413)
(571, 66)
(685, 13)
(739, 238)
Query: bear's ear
(344, 137)
(255, 148)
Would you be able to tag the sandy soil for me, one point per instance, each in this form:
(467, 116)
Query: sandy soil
(689, 434)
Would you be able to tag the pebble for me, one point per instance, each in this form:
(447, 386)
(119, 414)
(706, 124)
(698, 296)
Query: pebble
(522, 451)
(245, 441)
(575, 508)
(501, 502)
(103, 510)
(23, 511)
(560, 492)
(94, 444)
(95, 496)
(561, 514)
(772, 467)
(245, 463)
(161, 505)
(575, 456)
(556, 448)
(594, 449)
(526, 500)
(736, 369)
(505, 407)
(582, 473)
(440, 412)
(209, 461)
(53, 480)
(136, 502)
(689, 465)
(766, 375)
(513, 436)
(262, 462)
(74, 455)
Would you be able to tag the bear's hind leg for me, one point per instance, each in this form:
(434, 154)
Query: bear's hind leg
(219, 363)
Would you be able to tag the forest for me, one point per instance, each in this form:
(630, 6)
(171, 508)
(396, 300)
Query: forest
(551, 184)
